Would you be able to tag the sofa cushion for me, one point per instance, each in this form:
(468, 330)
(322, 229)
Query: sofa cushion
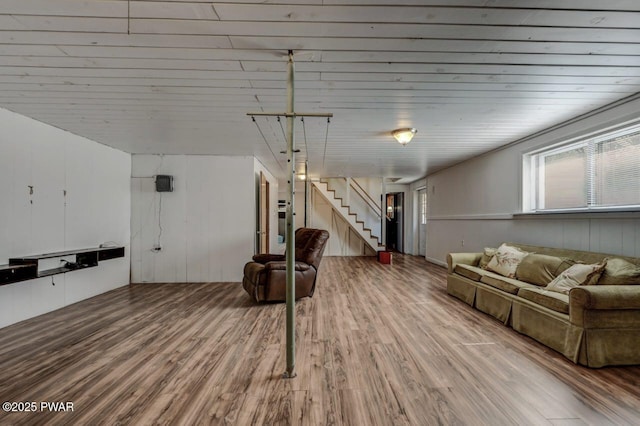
(487, 254)
(620, 272)
(541, 269)
(506, 260)
(553, 300)
(578, 274)
(506, 284)
(472, 272)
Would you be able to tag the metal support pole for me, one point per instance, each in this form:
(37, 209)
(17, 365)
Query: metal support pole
(383, 218)
(307, 206)
(290, 115)
(290, 219)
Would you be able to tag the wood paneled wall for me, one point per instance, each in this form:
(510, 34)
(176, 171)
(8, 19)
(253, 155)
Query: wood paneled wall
(472, 205)
(59, 192)
(205, 228)
(616, 235)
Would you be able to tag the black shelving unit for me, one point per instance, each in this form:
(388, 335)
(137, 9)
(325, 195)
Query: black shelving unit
(26, 267)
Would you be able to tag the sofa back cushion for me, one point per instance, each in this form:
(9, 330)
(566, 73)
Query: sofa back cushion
(541, 269)
(620, 272)
(578, 274)
(506, 260)
(577, 255)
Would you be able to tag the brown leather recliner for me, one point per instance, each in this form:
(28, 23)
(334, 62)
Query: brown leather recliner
(265, 278)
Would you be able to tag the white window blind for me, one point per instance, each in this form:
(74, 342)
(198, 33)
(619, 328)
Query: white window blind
(617, 171)
(423, 207)
(595, 173)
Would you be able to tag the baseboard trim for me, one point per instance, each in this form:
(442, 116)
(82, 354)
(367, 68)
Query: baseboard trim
(436, 261)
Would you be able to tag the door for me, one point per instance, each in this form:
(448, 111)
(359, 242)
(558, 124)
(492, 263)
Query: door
(264, 214)
(395, 222)
(422, 222)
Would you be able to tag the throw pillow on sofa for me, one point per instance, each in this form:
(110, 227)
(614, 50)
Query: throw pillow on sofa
(620, 272)
(541, 269)
(487, 254)
(506, 260)
(578, 274)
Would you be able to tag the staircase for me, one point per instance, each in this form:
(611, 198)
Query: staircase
(351, 217)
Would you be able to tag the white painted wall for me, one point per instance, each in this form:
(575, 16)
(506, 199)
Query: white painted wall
(206, 227)
(95, 210)
(471, 205)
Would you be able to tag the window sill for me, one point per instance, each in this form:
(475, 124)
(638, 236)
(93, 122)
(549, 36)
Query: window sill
(605, 213)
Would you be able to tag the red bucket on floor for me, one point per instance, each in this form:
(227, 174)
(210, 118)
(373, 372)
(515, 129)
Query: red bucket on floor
(384, 257)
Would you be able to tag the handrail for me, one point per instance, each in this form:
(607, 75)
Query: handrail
(371, 203)
(375, 203)
(368, 200)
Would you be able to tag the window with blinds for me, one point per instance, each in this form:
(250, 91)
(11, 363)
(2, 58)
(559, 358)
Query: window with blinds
(597, 173)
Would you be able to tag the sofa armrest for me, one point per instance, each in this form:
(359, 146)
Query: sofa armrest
(281, 266)
(268, 257)
(605, 297)
(608, 306)
(464, 258)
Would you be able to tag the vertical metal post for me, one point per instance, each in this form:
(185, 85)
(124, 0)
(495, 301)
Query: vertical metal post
(383, 217)
(290, 258)
(306, 193)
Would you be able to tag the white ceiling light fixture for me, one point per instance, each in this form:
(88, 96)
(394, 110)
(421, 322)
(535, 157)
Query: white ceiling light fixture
(404, 136)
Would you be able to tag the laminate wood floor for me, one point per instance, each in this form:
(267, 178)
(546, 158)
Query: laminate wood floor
(377, 345)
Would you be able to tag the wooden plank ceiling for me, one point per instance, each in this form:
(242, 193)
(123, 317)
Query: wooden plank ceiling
(179, 76)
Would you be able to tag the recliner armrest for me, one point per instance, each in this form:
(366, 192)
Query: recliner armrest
(268, 257)
(282, 265)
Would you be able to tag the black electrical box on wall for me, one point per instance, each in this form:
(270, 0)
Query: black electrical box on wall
(164, 183)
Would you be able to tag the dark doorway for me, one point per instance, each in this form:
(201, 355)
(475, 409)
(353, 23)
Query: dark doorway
(395, 222)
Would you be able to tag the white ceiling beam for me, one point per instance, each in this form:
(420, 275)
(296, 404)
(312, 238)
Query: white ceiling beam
(631, 5)
(93, 8)
(122, 72)
(448, 68)
(475, 78)
(326, 85)
(407, 32)
(63, 23)
(92, 39)
(200, 47)
(425, 15)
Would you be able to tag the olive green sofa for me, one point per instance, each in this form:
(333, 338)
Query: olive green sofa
(592, 325)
